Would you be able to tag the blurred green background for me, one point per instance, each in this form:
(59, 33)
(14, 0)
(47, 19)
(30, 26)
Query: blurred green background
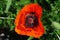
(50, 18)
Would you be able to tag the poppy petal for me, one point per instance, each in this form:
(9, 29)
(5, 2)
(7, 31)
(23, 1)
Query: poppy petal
(32, 10)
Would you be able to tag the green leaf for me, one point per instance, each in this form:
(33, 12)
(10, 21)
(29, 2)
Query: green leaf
(58, 31)
(56, 25)
(0, 21)
(30, 38)
(11, 28)
(9, 2)
(24, 2)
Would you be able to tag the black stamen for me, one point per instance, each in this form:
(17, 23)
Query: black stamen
(33, 22)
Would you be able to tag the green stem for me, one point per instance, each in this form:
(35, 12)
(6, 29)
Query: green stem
(57, 35)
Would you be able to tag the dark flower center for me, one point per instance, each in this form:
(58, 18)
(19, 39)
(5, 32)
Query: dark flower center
(31, 20)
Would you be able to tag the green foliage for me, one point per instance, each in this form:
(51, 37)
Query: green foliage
(30, 38)
(56, 25)
(51, 15)
(9, 2)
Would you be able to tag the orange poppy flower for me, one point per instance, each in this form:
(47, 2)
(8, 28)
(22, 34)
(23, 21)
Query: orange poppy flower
(28, 21)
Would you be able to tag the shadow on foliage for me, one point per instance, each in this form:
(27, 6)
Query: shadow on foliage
(44, 4)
